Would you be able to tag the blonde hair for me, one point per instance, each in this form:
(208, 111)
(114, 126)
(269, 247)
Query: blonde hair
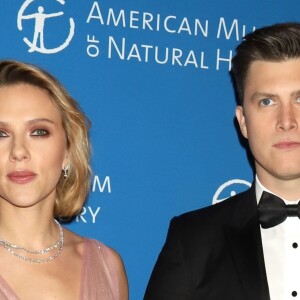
(71, 192)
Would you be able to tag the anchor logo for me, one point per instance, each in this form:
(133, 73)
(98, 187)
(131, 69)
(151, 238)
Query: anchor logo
(39, 18)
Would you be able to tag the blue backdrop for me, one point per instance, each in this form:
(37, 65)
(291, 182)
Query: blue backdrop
(153, 78)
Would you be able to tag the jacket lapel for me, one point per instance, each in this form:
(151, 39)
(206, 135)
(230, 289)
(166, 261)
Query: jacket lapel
(244, 238)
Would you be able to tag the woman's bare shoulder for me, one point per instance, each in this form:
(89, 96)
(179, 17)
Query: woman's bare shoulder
(73, 241)
(120, 272)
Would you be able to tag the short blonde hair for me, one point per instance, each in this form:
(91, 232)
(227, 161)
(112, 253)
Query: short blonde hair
(71, 192)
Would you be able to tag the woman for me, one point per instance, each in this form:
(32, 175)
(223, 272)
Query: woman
(45, 175)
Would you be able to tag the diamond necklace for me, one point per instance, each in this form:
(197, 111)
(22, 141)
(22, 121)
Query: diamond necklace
(58, 245)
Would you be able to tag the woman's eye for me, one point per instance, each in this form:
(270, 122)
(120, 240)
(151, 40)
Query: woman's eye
(40, 132)
(3, 134)
(266, 102)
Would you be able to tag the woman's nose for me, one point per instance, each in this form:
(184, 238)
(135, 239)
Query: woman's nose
(19, 151)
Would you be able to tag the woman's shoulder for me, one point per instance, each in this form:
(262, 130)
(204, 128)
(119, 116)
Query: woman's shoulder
(109, 253)
(99, 258)
(74, 242)
(111, 260)
(90, 247)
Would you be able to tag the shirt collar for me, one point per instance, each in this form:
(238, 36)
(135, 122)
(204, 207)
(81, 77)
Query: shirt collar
(260, 188)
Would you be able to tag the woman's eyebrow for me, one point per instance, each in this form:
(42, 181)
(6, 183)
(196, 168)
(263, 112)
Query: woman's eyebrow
(37, 120)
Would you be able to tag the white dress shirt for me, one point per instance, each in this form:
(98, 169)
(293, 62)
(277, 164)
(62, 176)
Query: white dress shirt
(281, 246)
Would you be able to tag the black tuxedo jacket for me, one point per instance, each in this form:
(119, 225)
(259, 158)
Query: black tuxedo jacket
(214, 253)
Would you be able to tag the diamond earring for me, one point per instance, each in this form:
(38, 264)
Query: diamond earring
(65, 171)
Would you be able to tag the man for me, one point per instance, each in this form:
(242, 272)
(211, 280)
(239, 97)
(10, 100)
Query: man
(238, 250)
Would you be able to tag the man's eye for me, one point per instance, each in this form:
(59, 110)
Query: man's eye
(40, 132)
(266, 102)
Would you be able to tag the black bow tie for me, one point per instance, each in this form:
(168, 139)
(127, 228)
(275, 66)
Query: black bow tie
(272, 210)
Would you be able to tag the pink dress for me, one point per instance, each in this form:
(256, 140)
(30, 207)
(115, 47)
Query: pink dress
(98, 278)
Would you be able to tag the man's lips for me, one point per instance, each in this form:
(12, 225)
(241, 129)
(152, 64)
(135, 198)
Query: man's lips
(21, 177)
(287, 145)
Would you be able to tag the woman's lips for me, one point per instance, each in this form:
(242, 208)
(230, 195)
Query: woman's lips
(21, 177)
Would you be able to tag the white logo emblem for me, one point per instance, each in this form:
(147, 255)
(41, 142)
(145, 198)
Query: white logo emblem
(223, 189)
(39, 18)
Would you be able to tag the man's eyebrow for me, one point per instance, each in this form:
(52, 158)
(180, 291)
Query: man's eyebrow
(262, 95)
(270, 95)
(295, 93)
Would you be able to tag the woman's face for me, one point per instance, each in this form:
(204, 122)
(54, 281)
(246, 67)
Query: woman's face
(32, 146)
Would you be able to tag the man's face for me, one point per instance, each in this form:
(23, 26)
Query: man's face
(270, 119)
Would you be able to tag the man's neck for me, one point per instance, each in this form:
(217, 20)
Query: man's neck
(288, 190)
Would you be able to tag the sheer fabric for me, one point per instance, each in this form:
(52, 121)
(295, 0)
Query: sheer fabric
(98, 276)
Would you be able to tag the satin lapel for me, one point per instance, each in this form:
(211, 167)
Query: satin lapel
(244, 238)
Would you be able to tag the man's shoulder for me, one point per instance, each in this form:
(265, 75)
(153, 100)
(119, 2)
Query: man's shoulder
(216, 214)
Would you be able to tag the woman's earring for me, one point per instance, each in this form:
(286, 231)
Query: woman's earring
(65, 171)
